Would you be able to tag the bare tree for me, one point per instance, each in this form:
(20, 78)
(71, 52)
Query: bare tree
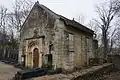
(3, 18)
(3, 14)
(116, 6)
(106, 15)
(116, 40)
(10, 24)
(21, 10)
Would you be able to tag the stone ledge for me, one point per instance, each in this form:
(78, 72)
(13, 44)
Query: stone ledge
(76, 75)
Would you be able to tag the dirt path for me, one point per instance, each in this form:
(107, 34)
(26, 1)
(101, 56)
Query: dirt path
(7, 71)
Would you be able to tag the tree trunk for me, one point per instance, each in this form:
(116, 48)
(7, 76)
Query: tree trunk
(105, 43)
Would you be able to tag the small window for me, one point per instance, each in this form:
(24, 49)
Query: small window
(69, 42)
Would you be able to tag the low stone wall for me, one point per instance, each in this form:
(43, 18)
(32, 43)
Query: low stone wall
(94, 72)
(84, 74)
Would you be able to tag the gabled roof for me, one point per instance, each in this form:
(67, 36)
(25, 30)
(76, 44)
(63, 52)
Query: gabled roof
(77, 25)
(67, 21)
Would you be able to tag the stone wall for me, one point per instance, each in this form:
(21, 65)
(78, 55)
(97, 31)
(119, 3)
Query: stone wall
(39, 23)
(82, 51)
(85, 74)
(83, 48)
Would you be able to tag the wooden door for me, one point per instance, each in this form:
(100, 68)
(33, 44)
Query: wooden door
(35, 58)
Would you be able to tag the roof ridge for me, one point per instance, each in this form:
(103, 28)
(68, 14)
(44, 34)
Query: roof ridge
(66, 20)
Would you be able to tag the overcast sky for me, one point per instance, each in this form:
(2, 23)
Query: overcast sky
(68, 8)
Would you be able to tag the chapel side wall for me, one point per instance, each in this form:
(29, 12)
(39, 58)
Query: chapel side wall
(83, 49)
(82, 53)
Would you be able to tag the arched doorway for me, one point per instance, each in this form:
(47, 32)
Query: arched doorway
(35, 57)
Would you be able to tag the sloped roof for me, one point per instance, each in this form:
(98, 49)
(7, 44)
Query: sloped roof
(77, 25)
(66, 20)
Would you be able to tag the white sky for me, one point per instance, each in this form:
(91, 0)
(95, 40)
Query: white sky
(67, 8)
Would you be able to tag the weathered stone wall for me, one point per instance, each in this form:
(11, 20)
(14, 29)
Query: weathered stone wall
(91, 73)
(43, 23)
(95, 48)
(58, 44)
(53, 29)
(83, 49)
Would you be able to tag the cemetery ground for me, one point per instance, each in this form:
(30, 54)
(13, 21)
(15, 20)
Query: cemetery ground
(7, 72)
